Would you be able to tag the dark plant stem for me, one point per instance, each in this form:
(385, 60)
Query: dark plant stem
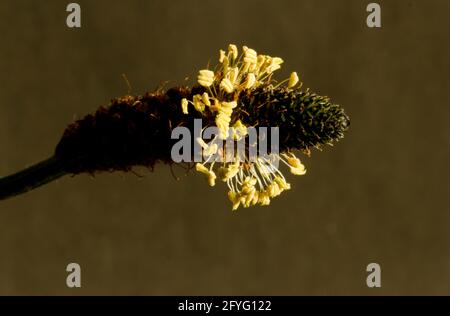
(31, 178)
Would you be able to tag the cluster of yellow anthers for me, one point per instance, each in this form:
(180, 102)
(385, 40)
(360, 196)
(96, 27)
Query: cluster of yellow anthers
(250, 182)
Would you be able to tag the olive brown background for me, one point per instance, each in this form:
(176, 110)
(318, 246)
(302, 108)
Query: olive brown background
(380, 195)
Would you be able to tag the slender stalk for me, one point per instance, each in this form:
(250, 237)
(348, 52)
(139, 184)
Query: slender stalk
(31, 178)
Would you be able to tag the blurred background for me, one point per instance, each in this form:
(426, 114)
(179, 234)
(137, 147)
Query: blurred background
(380, 195)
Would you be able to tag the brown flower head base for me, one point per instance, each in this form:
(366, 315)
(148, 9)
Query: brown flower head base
(238, 93)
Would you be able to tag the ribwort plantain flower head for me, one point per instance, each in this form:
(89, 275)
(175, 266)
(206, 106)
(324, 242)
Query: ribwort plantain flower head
(235, 96)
